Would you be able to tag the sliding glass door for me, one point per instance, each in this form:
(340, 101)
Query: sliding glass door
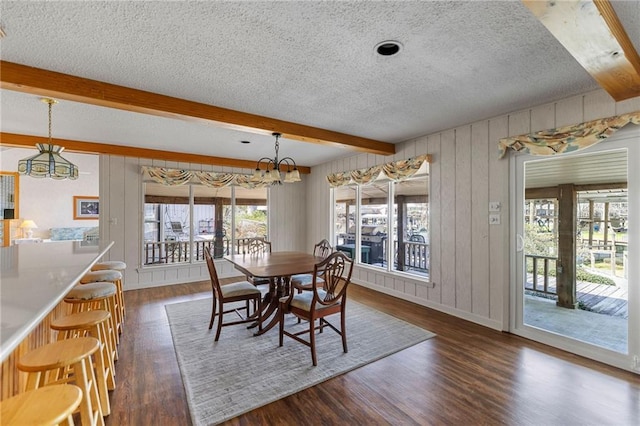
(575, 222)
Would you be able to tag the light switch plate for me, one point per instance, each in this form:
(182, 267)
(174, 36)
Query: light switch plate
(494, 219)
(494, 206)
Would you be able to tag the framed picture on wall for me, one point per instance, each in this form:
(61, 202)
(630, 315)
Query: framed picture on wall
(86, 207)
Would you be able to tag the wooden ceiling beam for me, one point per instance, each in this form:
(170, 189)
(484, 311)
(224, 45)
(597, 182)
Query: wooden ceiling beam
(29, 141)
(593, 34)
(43, 82)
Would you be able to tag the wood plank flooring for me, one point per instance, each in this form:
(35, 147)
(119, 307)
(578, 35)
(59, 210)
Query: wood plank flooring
(467, 375)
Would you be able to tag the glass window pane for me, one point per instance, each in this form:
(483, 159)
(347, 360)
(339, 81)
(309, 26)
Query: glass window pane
(209, 233)
(345, 219)
(167, 224)
(374, 206)
(411, 226)
(250, 214)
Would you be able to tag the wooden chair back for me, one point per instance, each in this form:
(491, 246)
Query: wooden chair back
(257, 245)
(323, 248)
(335, 272)
(213, 274)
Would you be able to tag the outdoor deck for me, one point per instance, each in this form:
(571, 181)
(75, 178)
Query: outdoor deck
(599, 298)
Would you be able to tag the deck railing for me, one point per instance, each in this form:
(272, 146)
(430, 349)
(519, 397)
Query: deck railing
(548, 264)
(416, 256)
(163, 252)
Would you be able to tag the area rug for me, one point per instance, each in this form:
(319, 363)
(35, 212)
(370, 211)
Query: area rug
(241, 372)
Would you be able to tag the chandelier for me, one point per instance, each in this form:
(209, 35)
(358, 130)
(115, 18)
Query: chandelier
(48, 162)
(271, 166)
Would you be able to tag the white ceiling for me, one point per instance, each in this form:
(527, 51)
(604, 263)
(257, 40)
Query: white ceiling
(308, 62)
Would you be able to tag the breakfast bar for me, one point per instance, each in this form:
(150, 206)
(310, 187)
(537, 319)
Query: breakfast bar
(34, 280)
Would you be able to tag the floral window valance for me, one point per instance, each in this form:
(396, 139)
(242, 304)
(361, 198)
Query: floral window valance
(569, 138)
(174, 177)
(396, 170)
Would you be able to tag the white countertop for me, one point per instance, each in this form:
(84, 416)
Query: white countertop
(34, 278)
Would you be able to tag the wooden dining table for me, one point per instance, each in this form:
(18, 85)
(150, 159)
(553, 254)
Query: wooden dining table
(278, 267)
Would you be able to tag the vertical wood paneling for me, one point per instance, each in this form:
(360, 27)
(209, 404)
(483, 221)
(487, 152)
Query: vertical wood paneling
(462, 254)
(13, 381)
(435, 218)
(630, 105)
(132, 223)
(519, 123)
(448, 218)
(598, 105)
(543, 117)
(569, 111)
(116, 211)
(481, 149)
(498, 234)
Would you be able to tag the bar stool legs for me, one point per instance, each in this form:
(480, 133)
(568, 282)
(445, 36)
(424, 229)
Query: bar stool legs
(87, 297)
(119, 266)
(93, 323)
(64, 361)
(115, 277)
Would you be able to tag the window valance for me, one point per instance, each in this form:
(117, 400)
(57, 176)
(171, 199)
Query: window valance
(569, 138)
(175, 177)
(395, 170)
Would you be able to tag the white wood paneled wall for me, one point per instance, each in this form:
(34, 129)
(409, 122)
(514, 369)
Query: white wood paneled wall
(122, 203)
(469, 257)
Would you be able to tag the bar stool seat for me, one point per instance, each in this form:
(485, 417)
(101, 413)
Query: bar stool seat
(119, 266)
(110, 275)
(101, 296)
(94, 324)
(47, 406)
(64, 361)
(110, 264)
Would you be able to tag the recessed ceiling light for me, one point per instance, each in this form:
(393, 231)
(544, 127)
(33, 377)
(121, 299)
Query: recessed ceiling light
(388, 48)
(246, 142)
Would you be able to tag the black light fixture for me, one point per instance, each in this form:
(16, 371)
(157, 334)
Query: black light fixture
(388, 48)
(271, 168)
(48, 162)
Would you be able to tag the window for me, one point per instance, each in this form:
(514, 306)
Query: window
(385, 224)
(180, 222)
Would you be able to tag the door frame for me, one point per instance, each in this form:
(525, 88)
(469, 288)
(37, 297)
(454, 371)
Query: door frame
(629, 139)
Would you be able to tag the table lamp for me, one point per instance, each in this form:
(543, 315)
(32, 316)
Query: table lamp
(28, 226)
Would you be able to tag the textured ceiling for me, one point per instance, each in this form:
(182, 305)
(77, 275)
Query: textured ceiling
(307, 62)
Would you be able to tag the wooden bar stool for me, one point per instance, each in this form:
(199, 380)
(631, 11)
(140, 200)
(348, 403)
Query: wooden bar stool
(112, 276)
(119, 266)
(89, 297)
(62, 362)
(94, 324)
(47, 406)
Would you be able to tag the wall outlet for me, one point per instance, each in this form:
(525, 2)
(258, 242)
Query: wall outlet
(494, 219)
(494, 206)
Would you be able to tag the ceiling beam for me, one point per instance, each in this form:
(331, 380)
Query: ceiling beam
(43, 82)
(592, 33)
(29, 141)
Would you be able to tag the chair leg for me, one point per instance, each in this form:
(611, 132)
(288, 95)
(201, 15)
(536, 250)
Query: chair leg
(213, 311)
(343, 330)
(220, 318)
(281, 314)
(312, 341)
(259, 302)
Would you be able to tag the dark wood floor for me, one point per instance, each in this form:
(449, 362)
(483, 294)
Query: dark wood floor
(467, 375)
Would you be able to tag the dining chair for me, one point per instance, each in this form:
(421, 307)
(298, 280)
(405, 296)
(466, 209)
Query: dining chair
(302, 282)
(325, 298)
(242, 291)
(256, 247)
